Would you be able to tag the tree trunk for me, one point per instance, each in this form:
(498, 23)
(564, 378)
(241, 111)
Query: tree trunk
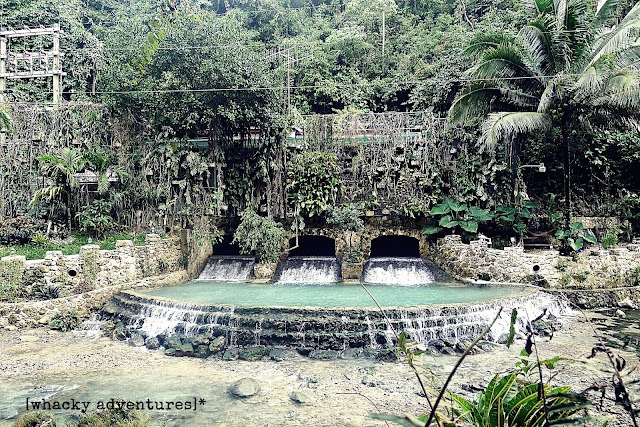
(566, 142)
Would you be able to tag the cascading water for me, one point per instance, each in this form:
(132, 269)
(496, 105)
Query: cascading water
(310, 269)
(403, 271)
(230, 268)
(329, 328)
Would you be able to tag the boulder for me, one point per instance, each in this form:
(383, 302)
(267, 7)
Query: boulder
(217, 345)
(245, 387)
(280, 354)
(253, 353)
(136, 340)
(300, 397)
(152, 343)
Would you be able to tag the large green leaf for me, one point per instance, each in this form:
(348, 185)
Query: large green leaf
(431, 229)
(470, 226)
(589, 237)
(576, 244)
(480, 215)
(576, 226)
(440, 209)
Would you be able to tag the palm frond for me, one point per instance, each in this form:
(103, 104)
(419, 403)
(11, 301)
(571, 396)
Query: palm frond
(474, 101)
(605, 11)
(548, 96)
(503, 61)
(619, 38)
(535, 42)
(626, 99)
(505, 125)
(482, 42)
(49, 193)
(5, 120)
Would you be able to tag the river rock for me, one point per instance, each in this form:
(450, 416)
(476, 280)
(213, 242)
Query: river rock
(280, 354)
(28, 338)
(626, 303)
(245, 387)
(300, 397)
(217, 344)
(323, 354)
(253, 353)
(173, 342)
(230, 354)
(152, 343)
(620, 314)
(184, 350)
(202, 351)
(136, 340)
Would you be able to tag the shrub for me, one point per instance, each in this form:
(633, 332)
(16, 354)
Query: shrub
(20, 229)
(609, 241)
(36, 419)
(119, 416)
(46, 292)
(634, 276)
(314, 182)
(66, 320)
(260, 236)
(96, 217)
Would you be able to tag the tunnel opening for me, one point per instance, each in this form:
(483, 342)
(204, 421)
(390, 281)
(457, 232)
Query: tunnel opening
(225, 247)
(313, 246)
(395, 246)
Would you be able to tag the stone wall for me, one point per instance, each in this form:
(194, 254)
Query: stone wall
(93, 268)
(40, 313)
(590, 269)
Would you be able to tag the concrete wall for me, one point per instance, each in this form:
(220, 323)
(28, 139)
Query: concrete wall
(590, 269)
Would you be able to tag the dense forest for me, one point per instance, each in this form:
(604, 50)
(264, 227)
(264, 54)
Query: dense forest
(187, 69)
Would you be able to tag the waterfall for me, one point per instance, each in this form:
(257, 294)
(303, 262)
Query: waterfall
(311, 269)
(331, 328)
(397, 271)
(230, 268)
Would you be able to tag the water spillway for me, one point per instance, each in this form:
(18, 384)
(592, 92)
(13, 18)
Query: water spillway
(309, 269)
(399, 271)
(324, 328)
(232, 268)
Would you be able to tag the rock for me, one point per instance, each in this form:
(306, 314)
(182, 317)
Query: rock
(351, 353)
(245, 387)
(387, 355)
(230, 354)
(300, 397)
(217, 345)
(253, 353)
(503, 338)
(173, 341)
(280, 354)
(185, 350)
(119, 334)
(620, 313)
(200, 340)
(153, 343)
(13, 319)
(136, 340)
(170, 352)
(4, 321)
(369, 380)
(44, 320)
(29, 338)
(626, 303)
(202, 351)
(11, 328)
(323, 354)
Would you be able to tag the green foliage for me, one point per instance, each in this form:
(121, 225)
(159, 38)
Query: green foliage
(119, 416)
(451, 214)
(515, 217)
(610, 240)
(346, 218)
(46, 291)
(163, 264)
(634, 277)
(575, 236)
(5, 119)
(95, 218)
(20, 229)
(65, 320)
(36, 419)
(260, 236)
(315, 184)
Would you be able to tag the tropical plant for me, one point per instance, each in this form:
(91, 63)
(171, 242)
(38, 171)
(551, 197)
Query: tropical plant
(515, 217)
(454, 214)
(575, 236)
(571, 66)
(260, 236)
(65, 320)
(61, 168)
(314, 182)
(95, 218)
(103, 165)
(347, 218)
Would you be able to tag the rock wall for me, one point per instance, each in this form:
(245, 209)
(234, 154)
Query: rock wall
(589, 269)
(40, 313)
(93, 268)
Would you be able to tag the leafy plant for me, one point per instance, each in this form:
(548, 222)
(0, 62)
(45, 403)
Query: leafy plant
(610, 240)
(163, 264)
(634, 276)
(515, 217)
(561, 266)
(20, 229)
(314, 182)
(95, 218)
(453, 214)
(39, 239)
(575, 236)
(46, 291)
(260, 236)
(36, 419)
(65, 320)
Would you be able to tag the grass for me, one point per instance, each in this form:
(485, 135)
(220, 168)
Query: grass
(39, 251)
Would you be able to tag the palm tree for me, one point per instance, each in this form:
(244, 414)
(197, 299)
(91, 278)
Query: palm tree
(61, 168)
(572, 66)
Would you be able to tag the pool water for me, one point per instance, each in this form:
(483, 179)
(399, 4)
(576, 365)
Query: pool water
(328, 295)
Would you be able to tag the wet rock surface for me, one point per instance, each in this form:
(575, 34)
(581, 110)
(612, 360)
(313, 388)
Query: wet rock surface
(246, 387)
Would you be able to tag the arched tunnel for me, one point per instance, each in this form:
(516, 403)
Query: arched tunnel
(225, 247)
(313, 246)
(395, 246)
